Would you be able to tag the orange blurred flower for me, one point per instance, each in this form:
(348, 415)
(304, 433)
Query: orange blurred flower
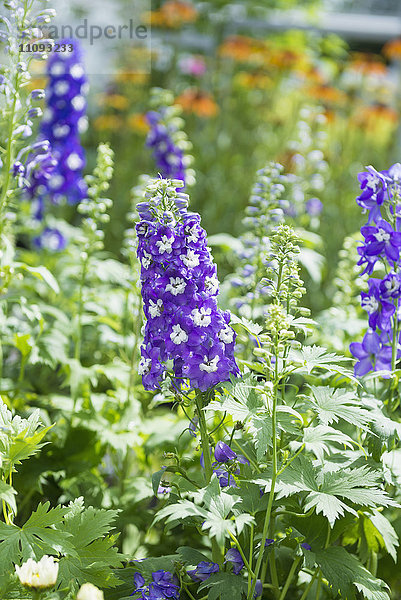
(137, 122)
(392, 49)
(107, 122)
(198, 102)
(327, 94)
(287, 59)
(373, 116)
(173, 14)
(367, 64)
(243, 49)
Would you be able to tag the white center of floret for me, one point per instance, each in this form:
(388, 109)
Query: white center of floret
(226, 335)
(176, 286)
(57, 69)
(56, 181)
(144, 366)
(78, 102)
(146, 260)
(74, 161)
(61, 88)
(60, 131)
(178, 335)
(201, 316)
(76, 71)
(391, 285)
(212, 284)
(155, 308)
(210, 366)
(192, 233)
(370, 305)
(173, 159)
(82, 124)
(382, 236)
(191, 259)
(372, 181)
(165, 245)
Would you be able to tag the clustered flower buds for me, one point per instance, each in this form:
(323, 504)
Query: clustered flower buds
(179, 290)
(266, 208)
(63, 122)
(167, 139)
(380, 197)
(38, 575)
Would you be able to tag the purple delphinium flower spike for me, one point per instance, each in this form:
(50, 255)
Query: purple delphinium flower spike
(167, 139)
(179, 287)
(63, 122)
(381, 197)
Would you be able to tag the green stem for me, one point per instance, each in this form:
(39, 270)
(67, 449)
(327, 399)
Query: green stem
(78, 341)
(308, 588)
(290, 577)
(216, 554)
(250, 558)
(272, 489)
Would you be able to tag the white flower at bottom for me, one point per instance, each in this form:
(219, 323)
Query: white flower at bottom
(39, 575)
(88, 591)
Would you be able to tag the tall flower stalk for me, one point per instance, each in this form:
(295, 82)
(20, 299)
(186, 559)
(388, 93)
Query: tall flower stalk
(186, 335)
(18, 106)
(380, 255)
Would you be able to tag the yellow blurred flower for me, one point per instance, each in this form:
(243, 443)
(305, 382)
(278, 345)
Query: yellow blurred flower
(137, 122)
(373, 117)
(117, 101)
(172, 14)
(257, 79)
(198, 102)
(107, 122)
(128, 77)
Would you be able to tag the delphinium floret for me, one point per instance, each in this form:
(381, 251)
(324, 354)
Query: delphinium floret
(380, 255)
(185, 333)
(163, 585)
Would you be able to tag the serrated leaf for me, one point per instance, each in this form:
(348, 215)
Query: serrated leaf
(242, 401)
(343, 571)
(251, 327)
(224, 586)
(334, 404)
(317, 440)
(387, 532)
